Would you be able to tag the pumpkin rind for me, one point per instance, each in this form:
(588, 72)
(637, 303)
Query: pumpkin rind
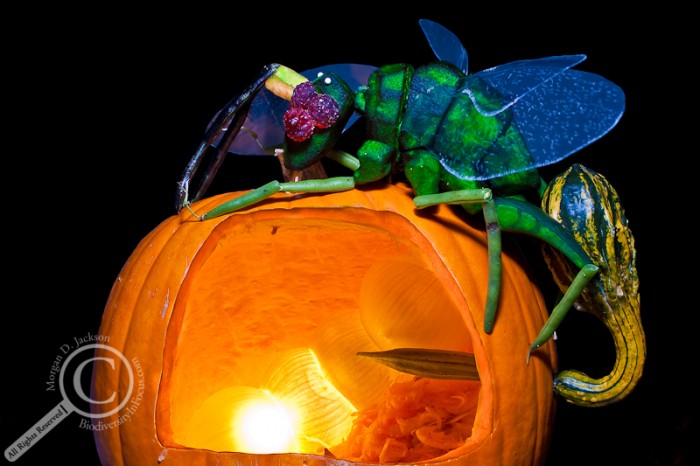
(516, 405)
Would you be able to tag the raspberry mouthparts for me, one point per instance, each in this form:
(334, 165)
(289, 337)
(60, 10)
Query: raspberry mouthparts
(309, 110)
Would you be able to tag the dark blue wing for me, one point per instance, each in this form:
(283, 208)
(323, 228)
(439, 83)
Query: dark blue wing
(263, 130)
(564, 116)
(445, 45)
(517, 79)
(557, 110)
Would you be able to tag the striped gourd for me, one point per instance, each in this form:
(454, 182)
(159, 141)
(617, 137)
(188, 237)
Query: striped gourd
(587, 205)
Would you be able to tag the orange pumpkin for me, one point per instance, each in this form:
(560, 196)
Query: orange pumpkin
(275, 300)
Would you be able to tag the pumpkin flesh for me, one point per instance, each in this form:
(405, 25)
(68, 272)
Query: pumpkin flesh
(229, 328)
(247, 305)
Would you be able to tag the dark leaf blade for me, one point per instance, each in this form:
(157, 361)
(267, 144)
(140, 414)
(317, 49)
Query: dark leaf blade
(429, 363)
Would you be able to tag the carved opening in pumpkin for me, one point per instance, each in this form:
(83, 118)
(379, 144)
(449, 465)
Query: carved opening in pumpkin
(261, 349)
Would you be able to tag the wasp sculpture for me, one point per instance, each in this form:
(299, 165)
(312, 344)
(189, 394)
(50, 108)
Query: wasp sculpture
(474, 140)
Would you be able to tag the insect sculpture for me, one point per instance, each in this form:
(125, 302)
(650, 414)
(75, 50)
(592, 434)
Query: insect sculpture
(474, 140)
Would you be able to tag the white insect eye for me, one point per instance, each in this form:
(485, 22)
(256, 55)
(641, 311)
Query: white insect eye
(327, 80)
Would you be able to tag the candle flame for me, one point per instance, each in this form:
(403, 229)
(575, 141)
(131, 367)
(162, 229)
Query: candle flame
(297, 411)
(264, 425)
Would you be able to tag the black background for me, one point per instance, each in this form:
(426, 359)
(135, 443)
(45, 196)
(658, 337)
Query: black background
(104, 109)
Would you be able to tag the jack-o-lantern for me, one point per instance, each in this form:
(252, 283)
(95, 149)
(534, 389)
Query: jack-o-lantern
(242, 334)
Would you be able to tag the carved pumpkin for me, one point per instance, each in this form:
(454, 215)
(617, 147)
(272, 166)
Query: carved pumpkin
(271, 304)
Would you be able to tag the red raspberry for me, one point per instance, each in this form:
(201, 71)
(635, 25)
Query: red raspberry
(323, 109)
(302, 93)
(298, 124)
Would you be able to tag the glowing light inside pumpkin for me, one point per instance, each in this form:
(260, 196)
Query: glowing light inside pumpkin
(264, 426)
(298, 410)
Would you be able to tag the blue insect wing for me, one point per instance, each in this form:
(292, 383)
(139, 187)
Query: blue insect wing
(556, 110)
(445, 45)
(566, 115)
(263, 130)
(517, 79)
